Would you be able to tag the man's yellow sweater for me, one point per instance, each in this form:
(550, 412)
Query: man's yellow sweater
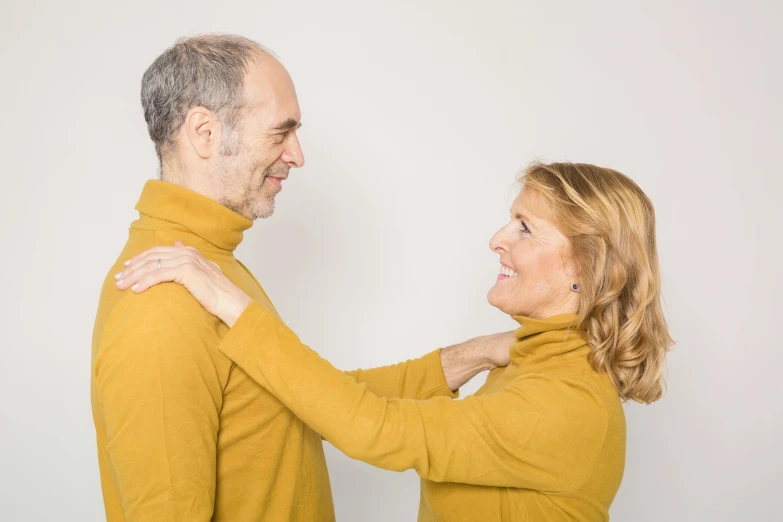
(184, 434)
(543, 440)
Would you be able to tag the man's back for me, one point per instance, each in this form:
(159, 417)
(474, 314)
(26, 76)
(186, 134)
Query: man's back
(181, 431)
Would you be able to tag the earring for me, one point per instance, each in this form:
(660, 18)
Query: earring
(575, 287)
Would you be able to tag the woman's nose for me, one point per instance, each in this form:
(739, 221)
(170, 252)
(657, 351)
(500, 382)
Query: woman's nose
(498, 243)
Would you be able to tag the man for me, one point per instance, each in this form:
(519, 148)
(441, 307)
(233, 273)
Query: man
(183, 433)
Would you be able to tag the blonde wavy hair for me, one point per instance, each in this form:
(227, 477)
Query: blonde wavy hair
(610, 223)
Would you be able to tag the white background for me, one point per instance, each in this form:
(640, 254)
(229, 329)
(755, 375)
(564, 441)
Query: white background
(417, 116)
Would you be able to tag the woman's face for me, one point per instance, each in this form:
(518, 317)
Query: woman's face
(536, 271)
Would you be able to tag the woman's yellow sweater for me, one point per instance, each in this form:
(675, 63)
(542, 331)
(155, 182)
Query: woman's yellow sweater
(542, 440)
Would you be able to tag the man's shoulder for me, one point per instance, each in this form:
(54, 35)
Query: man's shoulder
(159, 305)
(164, 321)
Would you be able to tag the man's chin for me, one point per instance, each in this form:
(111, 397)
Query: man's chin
(264, 210)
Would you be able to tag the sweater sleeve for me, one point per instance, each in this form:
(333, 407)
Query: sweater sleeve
(502, 439)
(160, 394)
(420, 378)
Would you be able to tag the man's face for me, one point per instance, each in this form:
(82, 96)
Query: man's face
(255, 158)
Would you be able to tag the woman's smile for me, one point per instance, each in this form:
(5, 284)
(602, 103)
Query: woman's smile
(506, 272)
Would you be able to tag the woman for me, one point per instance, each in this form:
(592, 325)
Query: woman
(544, 438)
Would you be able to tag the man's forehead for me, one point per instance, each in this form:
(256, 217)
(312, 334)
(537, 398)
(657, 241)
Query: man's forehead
(268, 83)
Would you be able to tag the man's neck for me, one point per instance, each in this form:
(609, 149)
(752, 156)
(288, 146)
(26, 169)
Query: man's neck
(187, 178)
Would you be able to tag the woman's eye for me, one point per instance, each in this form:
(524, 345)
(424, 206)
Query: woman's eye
(524, 229)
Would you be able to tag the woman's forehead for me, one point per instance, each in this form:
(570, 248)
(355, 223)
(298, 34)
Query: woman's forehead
(529, 203)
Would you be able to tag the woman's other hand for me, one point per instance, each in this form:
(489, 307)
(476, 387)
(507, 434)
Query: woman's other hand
(495, 348)
(461, 362)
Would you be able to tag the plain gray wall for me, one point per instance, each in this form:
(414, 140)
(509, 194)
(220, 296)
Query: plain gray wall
(417, 117)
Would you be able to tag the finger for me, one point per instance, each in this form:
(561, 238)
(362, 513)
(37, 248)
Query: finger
(169, 256)
(152, 255)
(195, 256)
(199, 260)
(134, 275)
(195, 253)
(150, 251)
(164, 275)
(160, 250)
(157, 250)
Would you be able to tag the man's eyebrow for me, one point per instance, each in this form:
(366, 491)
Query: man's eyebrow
(288, 124)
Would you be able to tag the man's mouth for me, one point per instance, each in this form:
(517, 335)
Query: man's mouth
(277, 182)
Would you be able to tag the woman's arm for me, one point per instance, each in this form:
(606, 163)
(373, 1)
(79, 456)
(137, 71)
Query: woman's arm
(441, 372)
(420, 378)
(501, 439)
(506, 439)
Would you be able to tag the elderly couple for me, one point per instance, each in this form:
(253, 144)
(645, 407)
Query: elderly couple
(208, 407)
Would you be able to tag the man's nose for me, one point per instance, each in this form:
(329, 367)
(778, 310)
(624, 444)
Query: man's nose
(293, 154)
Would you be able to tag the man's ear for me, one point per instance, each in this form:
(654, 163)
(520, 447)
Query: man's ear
(201, 131)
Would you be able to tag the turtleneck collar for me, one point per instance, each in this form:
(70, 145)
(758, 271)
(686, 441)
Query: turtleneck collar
(201, 215)
(548, 337)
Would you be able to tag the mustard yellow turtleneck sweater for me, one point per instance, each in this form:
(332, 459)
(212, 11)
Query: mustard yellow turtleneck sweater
(183, 434)
(542, 440)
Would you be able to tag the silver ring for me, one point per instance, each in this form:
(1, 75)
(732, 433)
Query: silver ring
(158, 264)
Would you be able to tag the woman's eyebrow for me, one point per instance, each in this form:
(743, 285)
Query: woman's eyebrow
(529, 222)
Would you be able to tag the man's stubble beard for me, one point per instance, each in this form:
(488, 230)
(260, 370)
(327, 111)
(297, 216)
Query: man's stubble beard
(264, 206)
(254, 200)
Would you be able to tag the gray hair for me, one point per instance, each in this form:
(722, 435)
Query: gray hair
(205, 70)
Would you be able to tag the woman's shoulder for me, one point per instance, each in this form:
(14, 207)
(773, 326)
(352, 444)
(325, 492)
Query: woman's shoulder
(580, 397)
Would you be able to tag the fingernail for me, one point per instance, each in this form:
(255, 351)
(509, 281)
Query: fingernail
(120, 282)
(117, 276)
(126, 263)
(134, 287)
